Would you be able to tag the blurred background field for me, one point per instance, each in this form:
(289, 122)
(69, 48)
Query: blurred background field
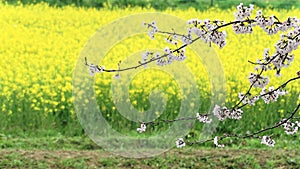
(163, 4)
(40, 44)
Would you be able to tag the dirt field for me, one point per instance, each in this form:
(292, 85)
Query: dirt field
(184, 158)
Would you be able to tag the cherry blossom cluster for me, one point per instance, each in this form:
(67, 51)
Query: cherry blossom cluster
(243, 24)
(172, 39)
(180, 143)
(272, 24)
(271, 95)
(257, 80)
(167, 58)
(247, 100)
(224, 113)
(94, 69)
(152, 29)
(145, 57)
(142, 128)
(290, 127)
(267, 140)
(203, 118)
(269, 25)
(287, 43)
(216, 142)
(243, 12)
(281, 58)
(171, 55)
(207, 31)
(267, 96)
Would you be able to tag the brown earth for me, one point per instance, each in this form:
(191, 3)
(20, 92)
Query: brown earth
(204, 158)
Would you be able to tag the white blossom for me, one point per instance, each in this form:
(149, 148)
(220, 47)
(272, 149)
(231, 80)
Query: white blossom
(247, 100)
(268, 141)
(290, 127)
(216, 142)
(169, 56)
(223, 113)
(272, 95)
(152, 29)
(251, 7)
(145, 58)
(172, 39)
(219, 112)
(259, 13)
(243, 12)
(271, 21)
(93, 69)
(252, 101)
(181, 56)
(180, 143)
(258, 81)
(198, 32)
(242, 28)
(186, 39)
(203, 118)
(235, 114)
(298, 123)
(142, 128)
(161, 62)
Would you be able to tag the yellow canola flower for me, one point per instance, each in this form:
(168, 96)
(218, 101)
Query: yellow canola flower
(39, 50)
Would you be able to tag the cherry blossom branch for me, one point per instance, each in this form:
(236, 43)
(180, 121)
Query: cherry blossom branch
(208, 32)
(289, 126)
(102, 69)
(252, 135)
(257, 80)
(96, 68)
(248, 91)
(205, 116)
(272, 91)
(212, 31)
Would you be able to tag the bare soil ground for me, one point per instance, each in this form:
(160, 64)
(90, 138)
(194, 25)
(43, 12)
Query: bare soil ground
(176, 158)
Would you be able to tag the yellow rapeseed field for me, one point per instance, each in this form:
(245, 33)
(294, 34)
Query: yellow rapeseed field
(40, 45)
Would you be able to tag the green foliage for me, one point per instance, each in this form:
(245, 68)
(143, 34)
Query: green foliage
(22, 120)
(163, 4)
